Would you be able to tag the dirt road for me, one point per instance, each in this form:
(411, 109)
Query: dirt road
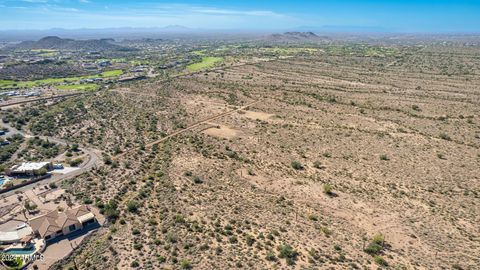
(204, 121)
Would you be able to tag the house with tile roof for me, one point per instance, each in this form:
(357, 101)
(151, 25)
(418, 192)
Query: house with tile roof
(55, 223)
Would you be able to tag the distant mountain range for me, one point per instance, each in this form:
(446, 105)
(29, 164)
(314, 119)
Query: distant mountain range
(183, 32)
(173, 31)
(296, 36)
(54, 42)
(85, 33)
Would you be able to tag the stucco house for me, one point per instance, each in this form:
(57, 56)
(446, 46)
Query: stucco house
(55, 224)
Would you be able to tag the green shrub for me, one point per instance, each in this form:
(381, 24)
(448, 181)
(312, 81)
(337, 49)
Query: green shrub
(180, 219)
(327, 189)
(384, 157)
(288, 253)
(74, 147)
(378, 239)
(445, 136)
(87, 201)
(132, 206)
(75, 162)
(373, 249)
(376, 245)
(233, 240)
(42, 171)
(380, 260)
(197, 180)
(270, 256)
(185, 264)
(171, 238)
(107, 159)
(250, 240)
(326, 231)
(110, 210)
(297, 165)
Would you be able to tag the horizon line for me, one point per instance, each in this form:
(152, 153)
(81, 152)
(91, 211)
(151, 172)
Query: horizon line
(375, 29)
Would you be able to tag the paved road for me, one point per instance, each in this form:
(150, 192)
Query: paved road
(86, 166)
(11, 130)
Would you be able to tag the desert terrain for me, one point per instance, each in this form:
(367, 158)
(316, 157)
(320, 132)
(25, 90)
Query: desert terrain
(273, 154)
(337, 159)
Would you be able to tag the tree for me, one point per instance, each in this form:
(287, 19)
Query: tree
(75, 162)
(110, 210)
(74, 147)
(42, 171)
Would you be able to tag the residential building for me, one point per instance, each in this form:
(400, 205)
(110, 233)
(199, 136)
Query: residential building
(55, 224)
(30, 168)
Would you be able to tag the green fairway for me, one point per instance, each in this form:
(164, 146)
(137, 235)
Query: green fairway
(83, 87)
(199, 52)
(112, 73)
(28, 84)
(6, 82)
(207, 62)
(44, 50)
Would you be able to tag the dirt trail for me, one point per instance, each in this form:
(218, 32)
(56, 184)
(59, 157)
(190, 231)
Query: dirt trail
(204, 121)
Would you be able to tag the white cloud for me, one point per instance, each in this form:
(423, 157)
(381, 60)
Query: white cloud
(35, 1)
(66, 9)
(150, 15)
(215, 11)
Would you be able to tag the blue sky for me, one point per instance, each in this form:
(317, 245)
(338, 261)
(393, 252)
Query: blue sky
(393, 15)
